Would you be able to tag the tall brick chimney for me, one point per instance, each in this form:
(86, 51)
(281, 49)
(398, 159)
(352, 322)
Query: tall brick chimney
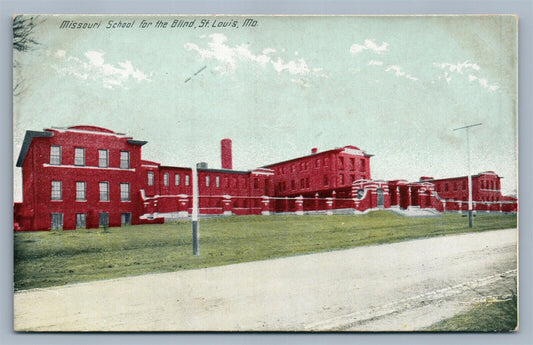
(225, 149)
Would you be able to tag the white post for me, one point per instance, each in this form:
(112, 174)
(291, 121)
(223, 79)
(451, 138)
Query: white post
(194, 218)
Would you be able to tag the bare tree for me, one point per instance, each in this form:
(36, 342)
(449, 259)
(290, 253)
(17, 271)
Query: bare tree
(23, 41)
(23, 27)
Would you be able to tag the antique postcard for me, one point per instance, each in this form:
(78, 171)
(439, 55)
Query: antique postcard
(265, 173)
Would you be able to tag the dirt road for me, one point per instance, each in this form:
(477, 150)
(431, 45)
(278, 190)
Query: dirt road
(400, 286)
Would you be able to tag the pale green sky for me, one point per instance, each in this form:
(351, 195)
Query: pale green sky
(393, 86)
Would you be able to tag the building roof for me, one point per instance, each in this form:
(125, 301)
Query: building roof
(459, 177)
(47, 133)
(27, 142)
(225, 171)
(339, 149)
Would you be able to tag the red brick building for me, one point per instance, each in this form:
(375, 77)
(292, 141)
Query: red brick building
(86, 177)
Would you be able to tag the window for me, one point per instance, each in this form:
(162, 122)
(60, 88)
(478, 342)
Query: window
(103, 158)
(104, 191)
(341, 163)
(293, 185)
(445, 187)
(256, 183)
(55, 155)
(125, 218)
(103, 219)
(326, 161)
(363, 165)
(454, 186)
(326, 180)
(56, 190)
(124, 192)
(352, 163)
(341, 178)
(217, 181)
(81, 220)
(207, 180)
(80, 191)
(124, 160)
(187, 180)
(307, 182)
(150, 178)
(177, 179)
(57, 221)
(302, 183)
(165, 179)
(464, 185)
(317, 163)
(79, 156)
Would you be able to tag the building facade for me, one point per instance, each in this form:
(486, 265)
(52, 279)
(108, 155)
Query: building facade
(87, 177)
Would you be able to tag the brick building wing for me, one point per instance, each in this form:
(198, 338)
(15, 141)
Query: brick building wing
(87, 177)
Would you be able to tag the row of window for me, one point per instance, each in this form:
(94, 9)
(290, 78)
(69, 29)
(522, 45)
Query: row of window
(489, 185)
(490, 198)
(445, 187)
(227, 181)
(303, 166)
(81, 220)
(304, 182)
(351, 165)
(79, 157)
(81, 191)
(166, 179)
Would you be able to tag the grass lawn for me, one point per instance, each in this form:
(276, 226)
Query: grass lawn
(494, 316)
(61, 257)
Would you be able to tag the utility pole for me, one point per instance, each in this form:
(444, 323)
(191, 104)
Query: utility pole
(195, 225)
(470, 213)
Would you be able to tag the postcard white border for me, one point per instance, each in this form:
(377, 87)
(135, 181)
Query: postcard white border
(522, 8)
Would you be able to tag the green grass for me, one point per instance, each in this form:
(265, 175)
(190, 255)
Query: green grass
(492, 316)
(60, 257)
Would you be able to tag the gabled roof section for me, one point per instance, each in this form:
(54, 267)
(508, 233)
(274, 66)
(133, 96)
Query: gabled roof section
(92, 129)
(27, 142)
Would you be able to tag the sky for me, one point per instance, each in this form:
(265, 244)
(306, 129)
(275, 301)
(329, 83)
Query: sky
(393, 86)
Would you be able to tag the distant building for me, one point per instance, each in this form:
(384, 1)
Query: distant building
(86, 177)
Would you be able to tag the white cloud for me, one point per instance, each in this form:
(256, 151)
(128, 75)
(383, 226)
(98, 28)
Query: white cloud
(293, 67)
(228, 57)
(399, 73)
(368, 45)
(483, 82)
(375, 63)
(95, 68)
(459, 67)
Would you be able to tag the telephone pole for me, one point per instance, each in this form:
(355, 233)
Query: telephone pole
(470, 213)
